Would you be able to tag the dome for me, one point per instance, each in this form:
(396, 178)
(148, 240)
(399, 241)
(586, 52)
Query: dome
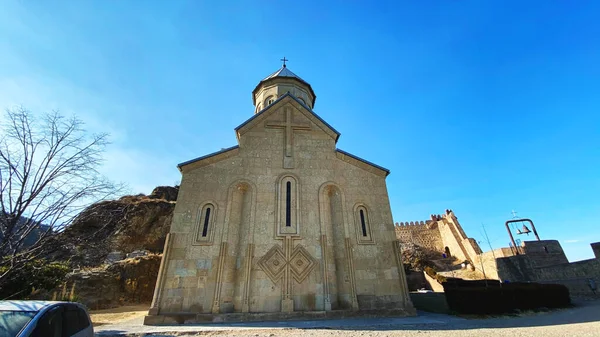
(279, 83)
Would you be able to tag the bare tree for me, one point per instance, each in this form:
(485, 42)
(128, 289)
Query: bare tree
(48, 174)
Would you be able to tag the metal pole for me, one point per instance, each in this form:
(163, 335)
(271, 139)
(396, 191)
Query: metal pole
(511, 236)
(510, 233)
(533, 228)
(521, 220)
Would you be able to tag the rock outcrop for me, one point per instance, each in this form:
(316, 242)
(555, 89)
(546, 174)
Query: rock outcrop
(130, 223)
(416, 257)
(124, 282)
(168, 193)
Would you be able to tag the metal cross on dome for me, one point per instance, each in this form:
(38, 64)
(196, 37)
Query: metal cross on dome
(284, 60)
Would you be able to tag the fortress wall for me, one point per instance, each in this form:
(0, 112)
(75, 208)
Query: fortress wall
(472, 248)
(421, 233)
(577, 276)
(438, 233)
(486, 262)
(544, 253)
(596, 249)
(454, 237)
(451, 239)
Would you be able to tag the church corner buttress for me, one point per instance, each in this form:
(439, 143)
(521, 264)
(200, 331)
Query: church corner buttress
(283, 225)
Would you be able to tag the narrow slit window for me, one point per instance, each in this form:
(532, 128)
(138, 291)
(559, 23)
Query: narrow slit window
(206, 221)
(288, 204)
(362, 222)
(362, 225)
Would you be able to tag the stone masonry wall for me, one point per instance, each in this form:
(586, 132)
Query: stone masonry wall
(215, 275)
(424, 234)
(486, 262)
(544, 253)
(535, 268)
(441, 232)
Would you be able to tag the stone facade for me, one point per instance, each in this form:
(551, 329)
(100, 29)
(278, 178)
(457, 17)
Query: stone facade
(442, 233)
(284, 222)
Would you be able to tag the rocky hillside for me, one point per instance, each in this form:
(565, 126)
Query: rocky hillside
(416, 258)
(139, 222)
(111, 285)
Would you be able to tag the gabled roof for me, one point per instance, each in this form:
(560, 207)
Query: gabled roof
(386, 171)
(179, 166)
(279, 99)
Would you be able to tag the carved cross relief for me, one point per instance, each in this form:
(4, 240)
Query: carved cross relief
(285, 264)
(288, 127)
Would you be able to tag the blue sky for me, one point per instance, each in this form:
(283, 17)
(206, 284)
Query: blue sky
(480, 107)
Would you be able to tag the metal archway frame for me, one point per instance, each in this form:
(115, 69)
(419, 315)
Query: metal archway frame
(512, 239)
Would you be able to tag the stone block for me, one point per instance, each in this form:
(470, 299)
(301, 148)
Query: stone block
(287, 305)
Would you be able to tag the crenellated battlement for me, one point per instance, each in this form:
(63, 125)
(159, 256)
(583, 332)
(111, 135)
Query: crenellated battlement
(433, 218)
(442, 233)
(413, 223)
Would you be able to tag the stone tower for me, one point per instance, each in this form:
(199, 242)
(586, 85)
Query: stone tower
(283, 224)
(279, 83)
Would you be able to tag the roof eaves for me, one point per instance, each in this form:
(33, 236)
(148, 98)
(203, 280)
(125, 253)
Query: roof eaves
(207, 156)
(301, 103)
(318, 117)
(261, 111)
(387, 172)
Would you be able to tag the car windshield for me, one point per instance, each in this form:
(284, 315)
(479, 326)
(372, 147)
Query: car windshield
(11, 322)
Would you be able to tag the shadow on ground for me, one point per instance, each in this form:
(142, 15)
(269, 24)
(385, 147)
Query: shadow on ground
(582, 312)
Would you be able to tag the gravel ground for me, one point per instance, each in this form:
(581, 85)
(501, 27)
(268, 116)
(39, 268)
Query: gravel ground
(583, 320)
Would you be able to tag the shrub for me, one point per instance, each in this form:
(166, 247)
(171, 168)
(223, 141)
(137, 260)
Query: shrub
(35, 276)
(430, 271)
(440, 278)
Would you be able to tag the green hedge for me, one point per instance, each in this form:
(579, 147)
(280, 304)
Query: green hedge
(504, 298)
(31, 278)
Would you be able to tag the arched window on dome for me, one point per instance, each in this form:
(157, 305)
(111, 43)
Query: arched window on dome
(269, 100)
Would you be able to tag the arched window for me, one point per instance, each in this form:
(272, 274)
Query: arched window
(269, 100)
(288, 204)
(363, 226)
(362, 222)
(205, 224)
(206, 221)
(287, 220)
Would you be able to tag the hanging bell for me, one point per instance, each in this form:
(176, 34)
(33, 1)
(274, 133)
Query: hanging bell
(526, 230)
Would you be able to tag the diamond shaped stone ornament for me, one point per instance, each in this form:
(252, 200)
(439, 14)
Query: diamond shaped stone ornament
(273, 263)
(301, 263)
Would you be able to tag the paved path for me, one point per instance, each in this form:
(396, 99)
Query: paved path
(583, 320)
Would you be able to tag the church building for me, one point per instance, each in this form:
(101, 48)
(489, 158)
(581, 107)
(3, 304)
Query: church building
(282, 225)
